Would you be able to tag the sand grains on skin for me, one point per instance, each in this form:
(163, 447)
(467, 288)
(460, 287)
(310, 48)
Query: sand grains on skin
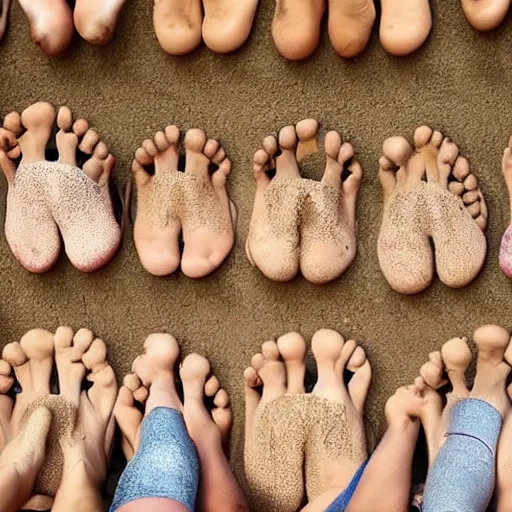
(314, 434)
(301, 223)
(45, 197)
(192, 204)
(429, 193)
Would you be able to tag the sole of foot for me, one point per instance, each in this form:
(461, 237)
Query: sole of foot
(448, 365)
(485, 15)
(51, 25)
(404, 29)
(62, 196)
(4, 16)
(193, 202)
(292, 217)
(227, 25)
(178, 26)
(505, 258)
(296, 27)
(350, 26)
(96, 20)
(429, 194)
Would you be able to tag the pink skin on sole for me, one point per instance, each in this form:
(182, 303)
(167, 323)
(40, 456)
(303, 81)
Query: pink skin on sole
(506, 253)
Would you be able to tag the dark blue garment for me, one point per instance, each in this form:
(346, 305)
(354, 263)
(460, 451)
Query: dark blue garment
(341, 502)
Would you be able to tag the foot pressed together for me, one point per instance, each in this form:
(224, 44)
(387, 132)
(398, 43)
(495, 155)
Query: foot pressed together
(224, 28)
(193, 204)
(152, 384)
(76, 426)
(430, 194)
(299, 444)
(52, 22)
(47, 197)
(302, 223)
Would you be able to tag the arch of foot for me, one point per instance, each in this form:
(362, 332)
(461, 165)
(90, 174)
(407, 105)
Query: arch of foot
(191, 203)
(62, 197)
(299, 223)
(430, 194)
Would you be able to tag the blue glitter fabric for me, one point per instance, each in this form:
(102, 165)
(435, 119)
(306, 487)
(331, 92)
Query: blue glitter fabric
(463, 474)
(166, 464)
(340, 504)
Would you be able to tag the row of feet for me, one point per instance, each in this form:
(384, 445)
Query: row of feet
(299, 446)
(434, 215)
(224, 26)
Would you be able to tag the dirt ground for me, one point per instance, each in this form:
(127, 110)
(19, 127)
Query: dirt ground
(459, 82)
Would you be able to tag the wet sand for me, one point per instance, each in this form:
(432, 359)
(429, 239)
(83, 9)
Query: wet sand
(458, 82)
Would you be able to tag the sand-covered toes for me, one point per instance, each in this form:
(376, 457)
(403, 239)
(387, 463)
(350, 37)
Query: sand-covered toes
(45, 197)
(190, 202)
(430, 194)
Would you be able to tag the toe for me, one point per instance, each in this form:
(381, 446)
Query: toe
(448, 153)
(196, 162)
(220, 176)
(211, 148)
(65, 119)
(129, 419)
(422, 136)
(193, 372)
(292, 348)
(397, 150)
(261, 163)
(326, 346)
(89, 141)
(252, 399)
(352, 184)
(286, 162)
(333, 168)
(387, 175)
(134, 384)
(271, 370)
(359, 384)
(211, 386)
(140, 175)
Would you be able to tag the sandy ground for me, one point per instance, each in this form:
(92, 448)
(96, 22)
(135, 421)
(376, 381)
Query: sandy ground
(459, 82)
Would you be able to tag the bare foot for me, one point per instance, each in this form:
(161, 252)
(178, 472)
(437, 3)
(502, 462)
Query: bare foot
(151, 383)
(296, 27)
(96, 20)
(328, 229)
(336, 445)
(45, 197)
(274, 422)
(448, 365)
(485, 15)
(350, 25)
(227, 24)
(86, 445)
(506, 241)
(404, 28)
(429, 193)
(210, 432)
(178, 25)
(4, 16)
(194, 201)
(51, 24)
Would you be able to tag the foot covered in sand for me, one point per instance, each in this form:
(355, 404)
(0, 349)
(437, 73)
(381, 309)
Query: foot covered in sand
(404, 27)
(81, 430)
(429, 194)
(288, 432)
(506, 241)
(45, 197)
(193, 203)
(152, 384)
(302, 223)
(485, 15)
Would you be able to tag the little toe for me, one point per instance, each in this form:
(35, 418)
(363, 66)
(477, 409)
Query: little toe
(359, 384)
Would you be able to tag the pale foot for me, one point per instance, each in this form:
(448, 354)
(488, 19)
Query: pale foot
(178, 25)
(429, 192)
(51, 24)
(96, 20)
(448, 365)
(296, 27)
(151, 383)
(273, 242)
(328, 229)
(485, 15)
(86, 445)
(45, 196)
(210, 432)
(4, 16)
(227, 24)
(506, 241)
(275, 432)
(404, 28)
(194, 201)
(336, 445)
(350, 25)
